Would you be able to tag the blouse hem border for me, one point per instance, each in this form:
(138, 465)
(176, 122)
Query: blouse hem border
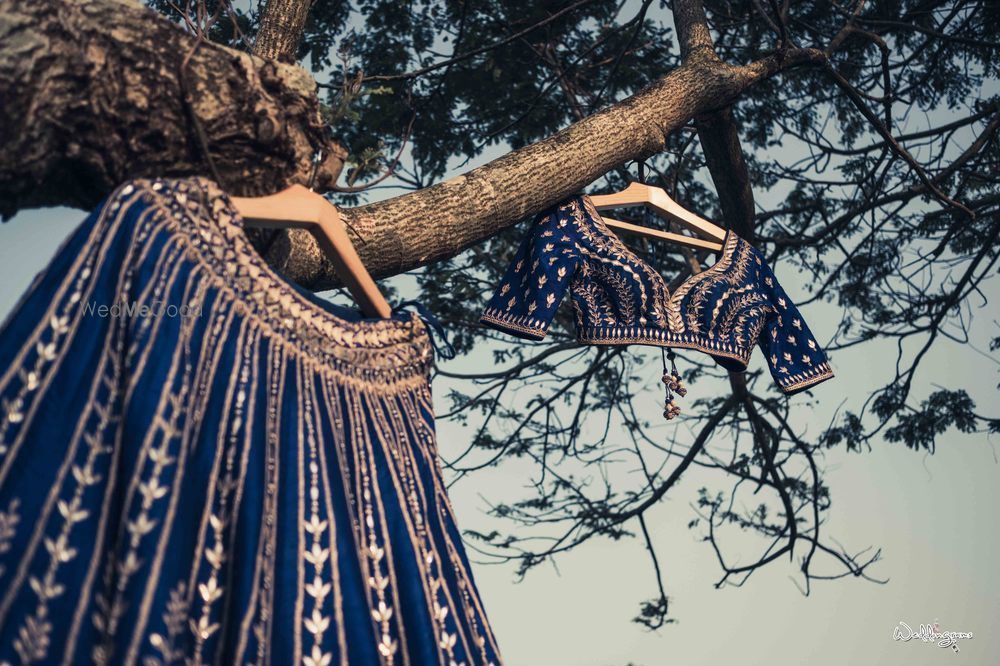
(514, 324)
(819, 373)
(664, 339)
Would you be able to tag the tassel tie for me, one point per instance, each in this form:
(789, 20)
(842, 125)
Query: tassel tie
(672, 382)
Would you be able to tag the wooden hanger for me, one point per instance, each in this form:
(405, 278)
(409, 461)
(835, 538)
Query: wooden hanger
(656, 198)
(298, 207)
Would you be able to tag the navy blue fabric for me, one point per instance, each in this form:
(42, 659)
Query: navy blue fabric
(725, 310)
(227, 471)
(435, 330)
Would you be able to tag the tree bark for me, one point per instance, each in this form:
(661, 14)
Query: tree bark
(717, 131)
(93, 96)
(282, 25)
(720, 143)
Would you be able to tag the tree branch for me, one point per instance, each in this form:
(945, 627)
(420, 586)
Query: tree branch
(894, 145)
(717, 131)
(438, 222)
(692, 31)
(459, 57)
(720, 142)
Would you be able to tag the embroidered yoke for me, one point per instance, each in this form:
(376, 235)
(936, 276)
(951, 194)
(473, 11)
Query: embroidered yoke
(724, 311)
(203, 464)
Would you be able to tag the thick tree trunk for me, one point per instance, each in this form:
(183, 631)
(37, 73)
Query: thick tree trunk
(92, 95)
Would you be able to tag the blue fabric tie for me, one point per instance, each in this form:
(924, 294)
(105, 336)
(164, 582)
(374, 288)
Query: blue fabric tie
(434, 329)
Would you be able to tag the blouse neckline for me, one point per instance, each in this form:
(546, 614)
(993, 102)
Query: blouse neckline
(729, 243)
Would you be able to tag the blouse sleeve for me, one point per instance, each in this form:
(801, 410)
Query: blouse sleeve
(536, 280)
(796, 360)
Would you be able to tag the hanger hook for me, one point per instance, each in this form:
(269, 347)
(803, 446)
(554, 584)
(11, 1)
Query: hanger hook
(642, 171)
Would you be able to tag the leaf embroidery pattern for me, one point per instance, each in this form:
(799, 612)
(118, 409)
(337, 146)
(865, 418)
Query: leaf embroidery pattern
(318, 555)
(211, 590)
(8, 527)
(13, 410)
(110, 601)
(175, 618)
(33, 637)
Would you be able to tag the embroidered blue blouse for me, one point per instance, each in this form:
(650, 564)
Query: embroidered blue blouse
(723, 311)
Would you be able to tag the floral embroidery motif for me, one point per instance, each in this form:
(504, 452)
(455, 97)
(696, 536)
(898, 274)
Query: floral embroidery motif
(618, 299)
(319, 555)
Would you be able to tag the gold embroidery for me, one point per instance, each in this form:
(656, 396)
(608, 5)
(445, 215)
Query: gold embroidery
(8, 527)
(33, 637)
(212, 590)
(808, 377)
(392, 354)
(373, 547)
(606, 311)
(263, 599)
(599, 308)
(378, 579)
(175, 618)
(611, 250)
(627, 314)
(391, 430)
(526, 325)
(110, 602)
(731, 268)
(318, 554)
(187, 434)
(471, 604)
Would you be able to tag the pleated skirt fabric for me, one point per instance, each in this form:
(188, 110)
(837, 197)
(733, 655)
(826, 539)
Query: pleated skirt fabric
(202, 464)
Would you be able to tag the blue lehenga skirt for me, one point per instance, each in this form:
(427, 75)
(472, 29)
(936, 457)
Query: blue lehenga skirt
(202, 464)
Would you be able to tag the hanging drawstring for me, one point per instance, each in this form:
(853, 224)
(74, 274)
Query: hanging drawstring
(434, 329)
(672, 382)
